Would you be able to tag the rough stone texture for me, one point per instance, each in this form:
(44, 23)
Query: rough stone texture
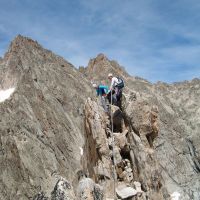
(137, 186)
(96, 146)
(88, 189)
(179, 140)
(135, 162)
(63, 190)
(97, 155)
(177, 146)
(125, 192)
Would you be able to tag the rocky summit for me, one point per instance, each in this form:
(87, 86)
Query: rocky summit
(57, 143)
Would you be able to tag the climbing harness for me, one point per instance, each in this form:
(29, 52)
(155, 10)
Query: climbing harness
(113, 152)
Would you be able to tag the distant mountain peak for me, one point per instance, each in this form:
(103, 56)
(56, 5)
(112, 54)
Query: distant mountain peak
(101, 56)
(100, 66)
(22, 40)
(21, 43)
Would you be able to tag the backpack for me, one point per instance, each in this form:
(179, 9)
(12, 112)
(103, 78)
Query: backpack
(120, 84)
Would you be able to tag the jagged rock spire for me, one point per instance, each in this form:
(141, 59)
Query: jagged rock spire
(100, 66)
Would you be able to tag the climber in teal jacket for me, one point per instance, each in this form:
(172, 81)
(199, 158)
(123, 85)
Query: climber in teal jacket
(102, 91)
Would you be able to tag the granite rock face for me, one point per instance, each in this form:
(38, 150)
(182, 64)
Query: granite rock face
(52, 127)
(134, 160)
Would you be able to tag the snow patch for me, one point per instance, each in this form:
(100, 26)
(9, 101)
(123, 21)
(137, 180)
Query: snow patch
(81, 150)
(5, 94)
(175, 196)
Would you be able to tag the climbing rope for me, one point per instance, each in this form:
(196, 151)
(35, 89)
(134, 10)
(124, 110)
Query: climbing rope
(113, 144)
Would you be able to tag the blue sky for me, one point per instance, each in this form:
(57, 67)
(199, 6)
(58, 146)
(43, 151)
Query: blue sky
(153, 39)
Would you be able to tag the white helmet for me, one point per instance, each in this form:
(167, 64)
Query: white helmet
(94, 85)
(110, 75)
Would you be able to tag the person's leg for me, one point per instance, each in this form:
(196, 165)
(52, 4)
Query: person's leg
(109, 97)
(114, 97)
(117, 95)
(120, 98)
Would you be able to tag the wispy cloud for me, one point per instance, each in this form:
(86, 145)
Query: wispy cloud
(157, 40)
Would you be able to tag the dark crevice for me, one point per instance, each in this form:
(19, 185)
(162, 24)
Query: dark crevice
(118, 121)
(125, 153)
(193, 154)
(150, 140)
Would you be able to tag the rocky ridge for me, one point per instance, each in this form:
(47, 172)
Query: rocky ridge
(56, 143)
(176, 146)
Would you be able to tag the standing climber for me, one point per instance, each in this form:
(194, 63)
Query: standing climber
(102, 91)
(116, 87)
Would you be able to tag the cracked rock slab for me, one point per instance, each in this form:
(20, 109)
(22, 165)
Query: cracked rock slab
(125, 192)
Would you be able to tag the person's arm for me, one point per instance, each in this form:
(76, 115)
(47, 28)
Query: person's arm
(113, 83)
(106, 89)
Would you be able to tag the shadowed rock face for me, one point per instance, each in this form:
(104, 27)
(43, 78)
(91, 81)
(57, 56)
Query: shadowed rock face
(48, 119)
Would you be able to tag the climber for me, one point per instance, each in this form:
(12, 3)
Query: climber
(116, 87)
(102, 91)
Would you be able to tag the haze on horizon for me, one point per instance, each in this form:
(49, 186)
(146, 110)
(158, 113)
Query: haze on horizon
(156, 40)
